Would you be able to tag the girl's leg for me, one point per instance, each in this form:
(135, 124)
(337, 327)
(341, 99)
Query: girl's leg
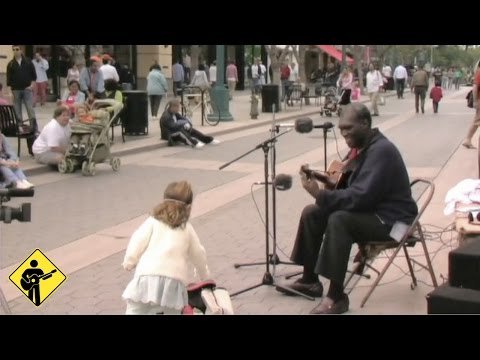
(8, 175)
(19, 174)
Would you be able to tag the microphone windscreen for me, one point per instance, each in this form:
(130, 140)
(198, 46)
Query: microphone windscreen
(303, 125)
(328, 125)
(283, 182)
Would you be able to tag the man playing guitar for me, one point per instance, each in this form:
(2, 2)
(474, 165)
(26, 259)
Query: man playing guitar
(375, 195)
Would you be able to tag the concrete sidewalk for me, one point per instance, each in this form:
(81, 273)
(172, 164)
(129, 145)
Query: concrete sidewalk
(239, 108)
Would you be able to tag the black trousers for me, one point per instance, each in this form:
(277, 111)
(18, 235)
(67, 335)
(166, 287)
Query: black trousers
(400, 83)
(191, 137)
(324, 240)
(155, 101)
(435, 106)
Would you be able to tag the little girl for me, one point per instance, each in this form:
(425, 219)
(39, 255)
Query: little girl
(355, 97)
(161, 249)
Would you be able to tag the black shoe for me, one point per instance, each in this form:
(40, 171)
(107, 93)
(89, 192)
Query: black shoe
(313, 289)
(327, 306)
(423, 111)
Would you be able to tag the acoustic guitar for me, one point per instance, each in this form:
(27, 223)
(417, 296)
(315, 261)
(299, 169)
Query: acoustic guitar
(34, 279)
(334, 178)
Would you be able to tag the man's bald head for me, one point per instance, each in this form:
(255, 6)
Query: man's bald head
(358, 112)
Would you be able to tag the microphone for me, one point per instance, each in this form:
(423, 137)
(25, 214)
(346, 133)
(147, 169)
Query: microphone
(305, 125)
(282, 182)
(14, 192)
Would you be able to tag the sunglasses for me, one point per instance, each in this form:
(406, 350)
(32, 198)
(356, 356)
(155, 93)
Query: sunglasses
(16, 49)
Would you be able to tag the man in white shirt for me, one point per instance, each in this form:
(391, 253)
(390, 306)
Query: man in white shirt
(41, 84)
(401, 76)
(52, 143)
(109, 71)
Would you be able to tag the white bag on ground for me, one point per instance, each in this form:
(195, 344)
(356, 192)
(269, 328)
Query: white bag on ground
(217, 301)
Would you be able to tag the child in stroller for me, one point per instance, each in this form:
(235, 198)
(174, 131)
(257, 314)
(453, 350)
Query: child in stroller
(88, 124)
(89, 140)
(330, 105)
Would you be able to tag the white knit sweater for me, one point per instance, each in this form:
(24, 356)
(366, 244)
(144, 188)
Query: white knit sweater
(157, 249)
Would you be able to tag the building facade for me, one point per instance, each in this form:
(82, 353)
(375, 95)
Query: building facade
(138, 57)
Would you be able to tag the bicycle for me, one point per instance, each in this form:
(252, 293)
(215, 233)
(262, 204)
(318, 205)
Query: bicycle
(204, 104)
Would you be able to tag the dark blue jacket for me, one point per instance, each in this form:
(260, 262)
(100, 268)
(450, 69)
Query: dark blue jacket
(21, 76)
(378, 184)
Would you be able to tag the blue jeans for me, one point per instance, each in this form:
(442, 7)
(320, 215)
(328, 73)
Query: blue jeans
(11, 175)
(27, 97)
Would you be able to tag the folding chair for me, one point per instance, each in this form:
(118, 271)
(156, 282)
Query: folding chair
(369, 251)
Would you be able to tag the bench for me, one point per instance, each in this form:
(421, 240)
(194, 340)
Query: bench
(11, 126)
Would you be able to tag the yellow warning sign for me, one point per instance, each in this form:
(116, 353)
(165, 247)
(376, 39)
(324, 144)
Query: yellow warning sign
(37, 277)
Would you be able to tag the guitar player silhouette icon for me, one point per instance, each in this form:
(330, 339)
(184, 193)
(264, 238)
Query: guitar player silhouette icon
(31, 281)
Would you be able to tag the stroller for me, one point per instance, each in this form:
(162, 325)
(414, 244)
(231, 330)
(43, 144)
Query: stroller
(330, 105)
(97, 149)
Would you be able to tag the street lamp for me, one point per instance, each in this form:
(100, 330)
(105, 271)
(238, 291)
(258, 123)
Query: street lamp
(219, 93)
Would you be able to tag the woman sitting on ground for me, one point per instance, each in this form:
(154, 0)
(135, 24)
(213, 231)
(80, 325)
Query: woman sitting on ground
(10, 166)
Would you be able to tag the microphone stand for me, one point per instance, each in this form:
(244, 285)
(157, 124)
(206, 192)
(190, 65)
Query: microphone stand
(267, 277)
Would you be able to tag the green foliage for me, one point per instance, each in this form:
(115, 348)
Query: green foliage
(442, 55)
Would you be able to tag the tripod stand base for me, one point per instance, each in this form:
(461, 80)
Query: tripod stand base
(273, 259)
(268, 280)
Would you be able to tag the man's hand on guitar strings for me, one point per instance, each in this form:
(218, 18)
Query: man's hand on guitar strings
(310, 185)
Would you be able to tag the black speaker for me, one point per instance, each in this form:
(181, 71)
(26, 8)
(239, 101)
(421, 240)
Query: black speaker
(135, 113)
(447, 299)
(464, 266)
(270, 97)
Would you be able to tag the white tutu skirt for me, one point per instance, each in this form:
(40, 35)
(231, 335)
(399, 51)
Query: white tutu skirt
(158, 290)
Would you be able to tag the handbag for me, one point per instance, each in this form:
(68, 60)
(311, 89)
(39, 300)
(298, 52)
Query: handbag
(381, 100)
(469, 98)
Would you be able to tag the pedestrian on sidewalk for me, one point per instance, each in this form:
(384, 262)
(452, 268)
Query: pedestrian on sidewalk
(21, 77)
(436, 95)
(161, 250)
(476, 105)
(156, 88)
(420, 87)
(374, 83)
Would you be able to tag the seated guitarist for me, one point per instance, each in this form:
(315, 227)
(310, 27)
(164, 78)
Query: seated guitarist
(376, 195)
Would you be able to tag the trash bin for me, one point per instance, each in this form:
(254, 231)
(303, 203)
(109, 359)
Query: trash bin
(135, 115)
(270, 96)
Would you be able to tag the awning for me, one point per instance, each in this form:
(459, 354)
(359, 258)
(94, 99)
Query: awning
(333, 52)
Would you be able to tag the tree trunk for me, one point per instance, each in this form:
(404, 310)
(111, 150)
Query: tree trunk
(194, 55)
(96, 50)
(275, 61)
(300, 55)
(358, 53)
(76, 52)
